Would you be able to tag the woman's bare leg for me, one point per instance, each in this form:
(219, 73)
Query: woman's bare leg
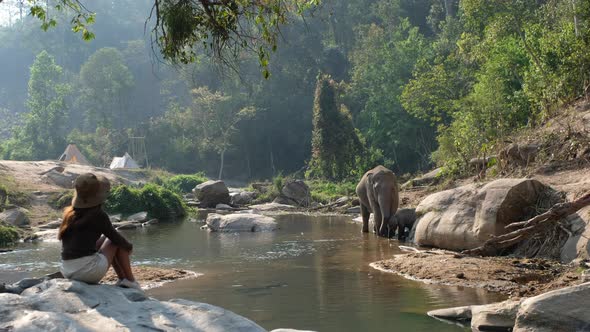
(122, 259)
(119, 259)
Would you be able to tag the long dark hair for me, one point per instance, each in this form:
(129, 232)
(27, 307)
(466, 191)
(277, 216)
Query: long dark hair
(67, 219)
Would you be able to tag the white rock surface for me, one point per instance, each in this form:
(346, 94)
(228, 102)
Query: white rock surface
(64, 305)
(240, 222)
(222, 207)
(272, 207)
(138, 217)
(15, 217)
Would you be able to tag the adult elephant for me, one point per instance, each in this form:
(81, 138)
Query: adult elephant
(378, 194)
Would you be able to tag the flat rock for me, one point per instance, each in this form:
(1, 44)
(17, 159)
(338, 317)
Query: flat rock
(223, 207)
(51, 225)
(240, 222)
(64, 305)
(127, 225)
(138, 217)
(266, 207)
(150, 222)
(354, 209)
(63, 179)
(489, 317)
(15, 217)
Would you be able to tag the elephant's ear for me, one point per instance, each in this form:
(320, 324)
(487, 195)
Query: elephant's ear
(370, 178)
(371, 185)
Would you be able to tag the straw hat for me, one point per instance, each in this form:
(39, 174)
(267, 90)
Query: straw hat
(91, 190)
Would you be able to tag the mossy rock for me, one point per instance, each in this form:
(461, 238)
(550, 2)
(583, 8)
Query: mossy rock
(8, 235)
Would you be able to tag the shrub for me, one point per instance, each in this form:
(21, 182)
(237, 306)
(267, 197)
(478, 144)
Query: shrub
(157, 201)
(59, 201)
(8, 235)
(325, 191)
(184, 183)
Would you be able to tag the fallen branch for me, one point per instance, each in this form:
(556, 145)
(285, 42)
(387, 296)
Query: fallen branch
(525, 229)
(326, 206)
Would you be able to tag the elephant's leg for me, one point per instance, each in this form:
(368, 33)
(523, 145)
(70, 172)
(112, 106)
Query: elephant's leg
(377, 221)
(400, 230)
(365, 213)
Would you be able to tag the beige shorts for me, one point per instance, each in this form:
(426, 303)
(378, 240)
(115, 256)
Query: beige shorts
(90, 269)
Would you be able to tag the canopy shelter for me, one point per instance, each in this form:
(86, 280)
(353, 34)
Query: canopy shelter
(74, 156)
(123, 162)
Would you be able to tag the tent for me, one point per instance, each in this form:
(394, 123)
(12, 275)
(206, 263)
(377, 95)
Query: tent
(123, 162)
(74, 156)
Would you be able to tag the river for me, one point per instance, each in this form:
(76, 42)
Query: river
(313, 273)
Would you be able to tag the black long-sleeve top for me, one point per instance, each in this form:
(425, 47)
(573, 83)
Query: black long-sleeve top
(79, 239)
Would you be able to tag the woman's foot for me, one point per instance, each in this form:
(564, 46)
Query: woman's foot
(128, 284)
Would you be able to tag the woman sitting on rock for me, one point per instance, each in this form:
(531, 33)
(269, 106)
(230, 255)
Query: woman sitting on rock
(90, 243)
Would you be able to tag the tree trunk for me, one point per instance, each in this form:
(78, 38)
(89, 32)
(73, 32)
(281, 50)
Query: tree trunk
(576, 29)
(222, 156)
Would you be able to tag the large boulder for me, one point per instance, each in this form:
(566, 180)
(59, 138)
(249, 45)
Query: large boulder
(64, 305)
(211, 193)
(295, 192)
(467, 216)
(578, 244)
(15, 217)
(64, 179)
(242, 197)
(566, 309)
(240, 222)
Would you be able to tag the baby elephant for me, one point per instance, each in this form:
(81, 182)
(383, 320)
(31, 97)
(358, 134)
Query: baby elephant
(404, 218)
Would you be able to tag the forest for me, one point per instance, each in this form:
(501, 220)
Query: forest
(409, 84)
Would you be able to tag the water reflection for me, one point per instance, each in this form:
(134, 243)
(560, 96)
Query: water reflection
(313, 273)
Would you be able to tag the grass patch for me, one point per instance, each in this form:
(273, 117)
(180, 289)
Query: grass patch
(184, 183)
(8, 235)
(156, 200)
(325, 191)
(13, 196)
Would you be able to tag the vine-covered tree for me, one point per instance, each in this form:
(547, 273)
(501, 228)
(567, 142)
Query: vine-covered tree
(335, 145)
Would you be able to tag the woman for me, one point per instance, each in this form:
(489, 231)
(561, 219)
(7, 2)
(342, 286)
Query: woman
(90, 243)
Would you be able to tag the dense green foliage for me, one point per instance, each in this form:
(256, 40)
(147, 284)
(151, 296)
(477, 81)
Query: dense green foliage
(328, 191)
(157, 201)
(184, 183)
(8, 235)
(42, 135)
(414, 83)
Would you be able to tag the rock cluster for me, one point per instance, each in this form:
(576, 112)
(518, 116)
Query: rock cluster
(564, 309)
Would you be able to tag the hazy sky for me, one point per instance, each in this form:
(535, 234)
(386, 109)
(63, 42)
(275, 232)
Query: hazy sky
(10, 8)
